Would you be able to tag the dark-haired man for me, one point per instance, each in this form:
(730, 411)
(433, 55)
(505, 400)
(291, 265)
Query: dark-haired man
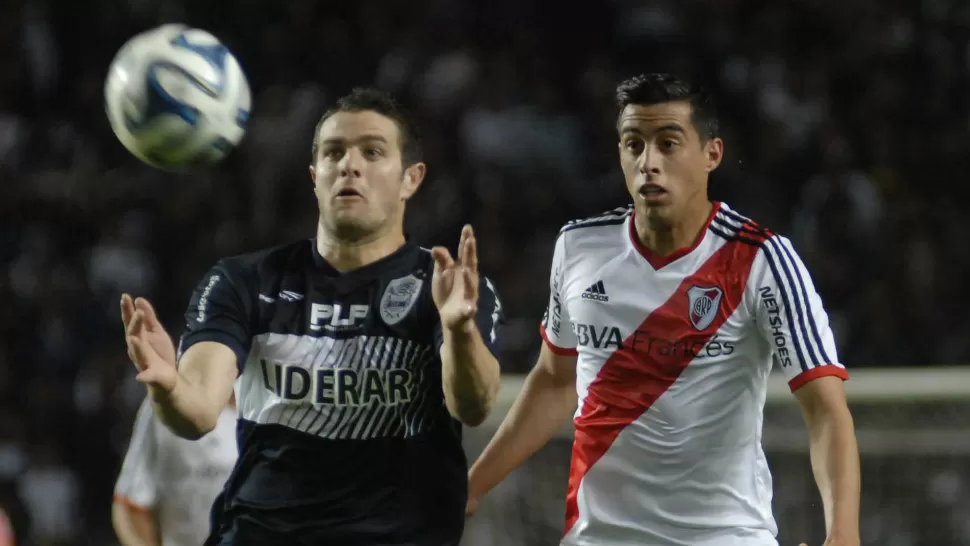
(664, 320)
(356, 355)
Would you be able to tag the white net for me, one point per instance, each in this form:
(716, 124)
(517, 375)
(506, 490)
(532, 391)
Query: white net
(914, 437)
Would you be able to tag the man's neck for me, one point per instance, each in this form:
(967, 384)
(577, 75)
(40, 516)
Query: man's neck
(349, 255)
(666, 239)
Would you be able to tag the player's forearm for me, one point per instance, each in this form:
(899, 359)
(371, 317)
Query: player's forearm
(206, 374)
(189, 410)
(134, 527)
(835, 463)
(542, 408)
(470, 375)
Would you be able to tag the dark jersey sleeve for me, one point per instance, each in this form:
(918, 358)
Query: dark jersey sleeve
(219, 311)
(489, 318)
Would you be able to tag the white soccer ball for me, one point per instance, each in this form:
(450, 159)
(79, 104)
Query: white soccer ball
(176, 96)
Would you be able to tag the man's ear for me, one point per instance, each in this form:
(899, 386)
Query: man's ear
(413, 177)
(715, 153)
(313, 178)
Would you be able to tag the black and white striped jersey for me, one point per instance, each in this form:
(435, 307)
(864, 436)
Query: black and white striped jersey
(343, 432)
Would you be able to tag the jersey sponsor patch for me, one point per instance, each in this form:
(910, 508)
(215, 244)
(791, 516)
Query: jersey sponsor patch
(204, 298)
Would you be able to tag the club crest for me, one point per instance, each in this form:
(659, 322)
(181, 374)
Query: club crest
(703, 303)
(399, 298)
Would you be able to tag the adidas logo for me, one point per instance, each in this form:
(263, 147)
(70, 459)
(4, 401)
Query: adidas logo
(596, 292)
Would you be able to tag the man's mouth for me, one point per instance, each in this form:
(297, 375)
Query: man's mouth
(348, 193)
(652, 192)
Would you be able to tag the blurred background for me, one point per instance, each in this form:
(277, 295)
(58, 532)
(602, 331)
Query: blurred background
(846, 128)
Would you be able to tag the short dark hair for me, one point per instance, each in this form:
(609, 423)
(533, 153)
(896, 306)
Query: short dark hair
(656, 88)
(362, 99)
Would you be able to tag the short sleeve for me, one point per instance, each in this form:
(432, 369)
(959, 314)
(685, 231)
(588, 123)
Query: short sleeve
(791, 317)
(489, 317)
(137, 483)
(218, 311)
(556, 328)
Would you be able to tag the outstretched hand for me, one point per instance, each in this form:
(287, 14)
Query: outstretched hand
(150, 347)
(454, 285)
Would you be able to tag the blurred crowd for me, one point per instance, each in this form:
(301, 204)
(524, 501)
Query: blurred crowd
(845, 125)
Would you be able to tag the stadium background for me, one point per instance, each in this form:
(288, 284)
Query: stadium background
(846, 127)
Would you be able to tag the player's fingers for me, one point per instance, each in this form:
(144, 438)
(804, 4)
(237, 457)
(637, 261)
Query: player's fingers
(127, 309)
(151, 317)
(135, 324)
(460, 287)
(137, 353)
(146, 376)
(470, 289)
(130, 351)
(461, 244)
(442, 258)
(149, 376)
(469, 310)
(469, 258)
(144, 351)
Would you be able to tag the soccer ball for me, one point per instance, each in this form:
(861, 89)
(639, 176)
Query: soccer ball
(176, 96)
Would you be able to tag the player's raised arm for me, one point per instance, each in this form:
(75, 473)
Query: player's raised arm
(188, 396)
(544, 405)
(136, 490)
(469, 313)
(793, 320)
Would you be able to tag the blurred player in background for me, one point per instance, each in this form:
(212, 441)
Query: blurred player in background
(167, 484)
(359, 356)
(664, 320)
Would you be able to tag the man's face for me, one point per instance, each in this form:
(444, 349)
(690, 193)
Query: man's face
(664, 161)
(358, 174)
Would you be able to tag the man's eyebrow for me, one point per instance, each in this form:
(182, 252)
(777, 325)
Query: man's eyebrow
(669, 128)
(362, 138)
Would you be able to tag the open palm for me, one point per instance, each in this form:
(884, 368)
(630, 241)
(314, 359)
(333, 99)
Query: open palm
(454, 285)
(150, 347)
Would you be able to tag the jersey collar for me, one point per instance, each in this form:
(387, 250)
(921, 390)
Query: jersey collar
(659, 262)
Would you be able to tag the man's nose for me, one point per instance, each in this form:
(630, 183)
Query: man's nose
(351, 164)
(650, 161)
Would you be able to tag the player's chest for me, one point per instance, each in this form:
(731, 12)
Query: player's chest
(629, 306)
(333, 345)
(398, 306)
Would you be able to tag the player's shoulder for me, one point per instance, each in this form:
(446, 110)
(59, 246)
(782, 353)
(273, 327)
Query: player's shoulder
(274, 261)
(735, 227)
(421, 257)
(597, 230)
(604, 220)
(424, 262)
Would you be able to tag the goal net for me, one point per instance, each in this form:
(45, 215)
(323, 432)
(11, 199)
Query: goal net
(913, 427)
